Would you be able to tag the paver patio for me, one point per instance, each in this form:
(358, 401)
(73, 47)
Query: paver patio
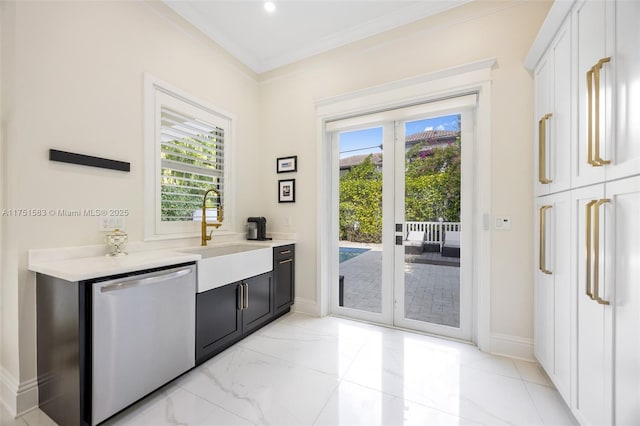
(432, 291)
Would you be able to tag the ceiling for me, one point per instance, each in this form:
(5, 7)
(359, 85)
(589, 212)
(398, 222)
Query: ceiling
(298, 29)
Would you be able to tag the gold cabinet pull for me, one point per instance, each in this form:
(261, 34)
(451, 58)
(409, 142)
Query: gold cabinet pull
(240, 297)
(593, 125)
(542, 149)
(596, 254)
(542, 241)
(587, 239)
(246, 296)
(590, 119)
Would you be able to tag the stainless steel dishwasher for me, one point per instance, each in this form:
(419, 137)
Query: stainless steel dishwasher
(143, 329)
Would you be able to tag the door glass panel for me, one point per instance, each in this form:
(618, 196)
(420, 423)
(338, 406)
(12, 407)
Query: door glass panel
(360, 220)
(432, 220)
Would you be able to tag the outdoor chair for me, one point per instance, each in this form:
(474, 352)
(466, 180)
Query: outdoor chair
(451, 245)
(414, 243)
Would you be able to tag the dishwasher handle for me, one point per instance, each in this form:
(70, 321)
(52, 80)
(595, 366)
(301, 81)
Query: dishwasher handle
(124, 283)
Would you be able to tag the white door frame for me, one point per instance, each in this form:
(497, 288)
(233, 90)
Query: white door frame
(473, 77)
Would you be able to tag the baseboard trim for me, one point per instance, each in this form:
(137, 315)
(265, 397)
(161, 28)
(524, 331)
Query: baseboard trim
(18, 398)
(512, 346)
(8, 391)
(306, 306)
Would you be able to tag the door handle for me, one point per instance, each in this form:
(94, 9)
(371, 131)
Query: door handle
(129, 282)
(245, 302)
(240, 297)
(593, 125)
(542, 240)
(596, 255)
(542, 149)
(587, 237)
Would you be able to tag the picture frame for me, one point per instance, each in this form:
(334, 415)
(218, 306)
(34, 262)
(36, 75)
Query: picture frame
(287, 191)
(287, 164)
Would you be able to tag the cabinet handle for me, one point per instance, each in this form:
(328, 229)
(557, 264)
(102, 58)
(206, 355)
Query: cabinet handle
(542, 240)
(285, 252)
(593, 126)
(241, 297)
(596, 254)
(286, 261)
(542, 149)
(596, 78)
(128, 282)
(246, 295)
(587, 239)
(590, 120)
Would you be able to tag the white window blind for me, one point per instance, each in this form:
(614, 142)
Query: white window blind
(192, 161)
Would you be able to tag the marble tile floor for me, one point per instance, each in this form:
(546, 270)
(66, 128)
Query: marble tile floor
(302, 370)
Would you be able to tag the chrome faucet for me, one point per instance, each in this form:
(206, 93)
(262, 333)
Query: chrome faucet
(206, 237)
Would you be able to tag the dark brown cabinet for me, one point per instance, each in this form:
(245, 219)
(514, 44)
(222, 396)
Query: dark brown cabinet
(226, 314)
(258, 307)
(284, 278)
(218, 320)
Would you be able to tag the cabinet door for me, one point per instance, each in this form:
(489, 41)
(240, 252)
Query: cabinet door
(622, 267)
(590, 40)
(258, 308)
(553, 289)
(593, 404)
(543, 300)
(563, 301)
(560, 134)
(284, 275)
(218, 320)
(552, 80)
(625, 152)
(542, 88)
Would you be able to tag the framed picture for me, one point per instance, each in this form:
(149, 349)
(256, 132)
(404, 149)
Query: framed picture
(287, 164)
(287, 191)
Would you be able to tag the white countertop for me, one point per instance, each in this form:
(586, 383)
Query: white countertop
(102, 266)
(83, 263)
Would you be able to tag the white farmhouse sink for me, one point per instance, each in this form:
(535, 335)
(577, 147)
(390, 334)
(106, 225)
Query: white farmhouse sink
(221, 265)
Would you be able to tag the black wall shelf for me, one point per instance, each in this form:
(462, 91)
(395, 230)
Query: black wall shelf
(88, 160)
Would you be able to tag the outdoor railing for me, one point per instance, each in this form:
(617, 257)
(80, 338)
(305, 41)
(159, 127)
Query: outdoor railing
(434, 231)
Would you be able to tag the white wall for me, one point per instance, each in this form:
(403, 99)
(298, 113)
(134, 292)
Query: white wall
(480, 30)
(73, 80)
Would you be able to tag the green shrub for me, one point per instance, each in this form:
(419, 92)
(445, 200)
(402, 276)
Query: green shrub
(432, 191)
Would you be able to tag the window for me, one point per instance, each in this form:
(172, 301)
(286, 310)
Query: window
(187, 153)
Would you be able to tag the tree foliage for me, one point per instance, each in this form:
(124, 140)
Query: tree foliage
(361, 203)
(432, 191)
(432, 184)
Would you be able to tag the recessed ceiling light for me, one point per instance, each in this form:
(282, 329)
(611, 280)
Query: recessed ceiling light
(269, 6)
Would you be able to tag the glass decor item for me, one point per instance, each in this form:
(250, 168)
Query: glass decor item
(116, 240)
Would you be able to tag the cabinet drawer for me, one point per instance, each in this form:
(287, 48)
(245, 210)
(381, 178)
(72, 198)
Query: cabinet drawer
(284, 252)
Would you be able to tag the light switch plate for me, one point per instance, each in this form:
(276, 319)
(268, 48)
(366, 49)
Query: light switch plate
(110, 223)
(503, 223)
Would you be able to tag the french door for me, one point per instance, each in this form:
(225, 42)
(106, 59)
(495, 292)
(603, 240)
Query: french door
(402, 203)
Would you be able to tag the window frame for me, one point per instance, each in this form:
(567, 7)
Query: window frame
(159, 94)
